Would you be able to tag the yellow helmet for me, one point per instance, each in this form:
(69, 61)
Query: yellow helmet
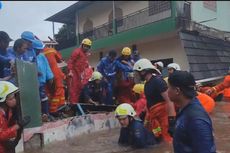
(6, 88)
(125, 109)
(96, 76)
(86, 41)
(139, 88)
(126, 51)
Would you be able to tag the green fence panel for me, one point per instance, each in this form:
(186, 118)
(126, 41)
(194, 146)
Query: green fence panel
(27, 80)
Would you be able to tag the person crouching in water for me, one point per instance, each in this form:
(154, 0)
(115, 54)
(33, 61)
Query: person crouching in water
(11, 130)
(94, 91)
(132, 132)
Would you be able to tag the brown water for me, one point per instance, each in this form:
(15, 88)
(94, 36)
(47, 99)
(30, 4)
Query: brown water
(106, 141)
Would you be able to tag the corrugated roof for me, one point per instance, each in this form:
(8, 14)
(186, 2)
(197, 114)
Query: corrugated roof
(68, 15)
(207, 57)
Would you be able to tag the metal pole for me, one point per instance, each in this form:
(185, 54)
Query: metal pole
(77, 28)
(53, 30)
(114, 18)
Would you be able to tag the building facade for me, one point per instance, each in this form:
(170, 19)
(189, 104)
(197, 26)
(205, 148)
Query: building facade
(156, 28)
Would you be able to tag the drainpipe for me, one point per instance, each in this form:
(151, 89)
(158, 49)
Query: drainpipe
(114, 19)
(77, 28)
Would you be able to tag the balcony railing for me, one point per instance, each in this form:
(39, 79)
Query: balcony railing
(145, 16)
(136, 19)
(99, 32)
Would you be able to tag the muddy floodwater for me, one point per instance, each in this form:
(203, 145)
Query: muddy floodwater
(106, 141)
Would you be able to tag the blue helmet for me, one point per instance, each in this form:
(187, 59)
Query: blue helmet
(38, 44)
(28, 36)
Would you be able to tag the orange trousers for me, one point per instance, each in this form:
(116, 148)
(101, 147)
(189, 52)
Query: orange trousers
(57, 98)
(157, 121)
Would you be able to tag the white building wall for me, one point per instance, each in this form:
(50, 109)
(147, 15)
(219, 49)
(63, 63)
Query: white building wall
(99, 12)
(153, 50)
(199, 13)
(166, 48)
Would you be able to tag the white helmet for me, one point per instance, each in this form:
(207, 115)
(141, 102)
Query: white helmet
(6, 88)
(144, 64)
(175, 66)
(160, 64)
(125, 109)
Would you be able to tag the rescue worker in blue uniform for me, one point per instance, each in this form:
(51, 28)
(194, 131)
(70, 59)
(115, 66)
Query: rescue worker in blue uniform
(16, 52)
(29, 37)
(132, 133)
(45, 75)
(6, 61)
(193, 131)
(124, 85)
(108, 67)
(94, 91)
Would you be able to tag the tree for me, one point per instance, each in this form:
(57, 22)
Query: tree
(66, 37)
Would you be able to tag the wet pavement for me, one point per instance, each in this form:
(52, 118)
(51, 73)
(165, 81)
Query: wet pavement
(106, 141)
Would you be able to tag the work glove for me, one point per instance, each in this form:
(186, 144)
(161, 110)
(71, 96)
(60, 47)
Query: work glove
(25, 121)
(172, 122)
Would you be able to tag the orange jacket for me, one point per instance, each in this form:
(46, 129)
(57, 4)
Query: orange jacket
(226, 93)
(213, 95)
(223, 85)
(53, 58)
(206, 101)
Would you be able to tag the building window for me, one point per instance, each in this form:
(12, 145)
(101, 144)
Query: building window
(156, 7)
(88, 28)
(118, 17)
(211, 5)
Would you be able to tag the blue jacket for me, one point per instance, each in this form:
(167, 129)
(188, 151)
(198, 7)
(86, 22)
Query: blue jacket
(4, 63)
(126, 68)
(193, 130)
(108, 69)
(136, 135)
(44, 69)
(30, 55)
(15, 55)
(93, 91)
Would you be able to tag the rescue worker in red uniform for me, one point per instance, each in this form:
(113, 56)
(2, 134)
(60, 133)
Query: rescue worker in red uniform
(57, 93)
(125, 83)
(11, 129)
(161, 111)
(140, 104)
(77, 64)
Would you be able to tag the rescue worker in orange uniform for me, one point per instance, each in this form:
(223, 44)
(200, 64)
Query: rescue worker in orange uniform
(11, 129)
(206, 101)
(125, 83)
(57, 93)
(140, 104)
(77, 64)
(161, 111)
(220, 87)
